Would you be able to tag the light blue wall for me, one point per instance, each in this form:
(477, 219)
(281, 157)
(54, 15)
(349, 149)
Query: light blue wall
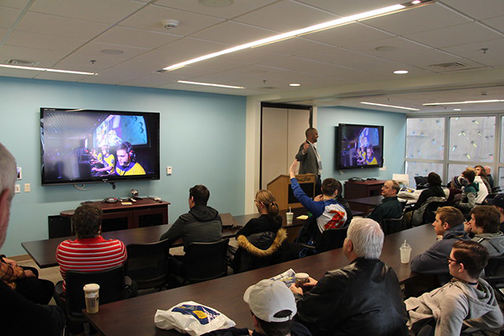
(394, 135)
(202, 137)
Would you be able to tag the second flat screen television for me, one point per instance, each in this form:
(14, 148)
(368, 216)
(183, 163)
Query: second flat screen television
(359, 146)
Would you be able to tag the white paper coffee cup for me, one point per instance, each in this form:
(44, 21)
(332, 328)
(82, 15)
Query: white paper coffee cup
(301, 278)
(92, 297)
(289, 216)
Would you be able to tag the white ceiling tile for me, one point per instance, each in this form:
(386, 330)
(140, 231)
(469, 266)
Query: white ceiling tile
(163, 57)
(496, 23)
(109, 11)
(81, 62)
(194, 47)
(152, 17)
(94, 51)
(3, 33)
(44, 58)
(418, 19)
(348, 35)
(407, 52)
(19, 4)
(480, 9)
(8, 17)
(238, 7)
(136, 37)
(473, 51)
(61, 76)
(345, 8)
(45, 42)
(60, 26)
(5, 72)
(233, 33)
(454, 35)
(300, 16)
(293, 46)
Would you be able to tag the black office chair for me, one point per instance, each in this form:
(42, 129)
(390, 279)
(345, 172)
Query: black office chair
(331, 239)
(205, 261)
(114, 286)
(392, 225)
(147, 264)
(429, 215)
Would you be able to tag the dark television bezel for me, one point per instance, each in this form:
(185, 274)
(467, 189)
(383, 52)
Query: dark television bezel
(154, 137)
(339, 131)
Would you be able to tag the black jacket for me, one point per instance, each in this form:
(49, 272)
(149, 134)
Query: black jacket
(201, 224)
(362, 298)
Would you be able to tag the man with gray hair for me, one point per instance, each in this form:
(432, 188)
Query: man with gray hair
(362, 298)
(19, 315)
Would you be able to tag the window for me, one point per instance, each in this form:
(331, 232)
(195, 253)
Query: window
(425, 138)
(472, 139)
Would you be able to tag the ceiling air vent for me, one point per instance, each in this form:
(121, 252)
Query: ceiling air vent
(450, 66)
(21, 62)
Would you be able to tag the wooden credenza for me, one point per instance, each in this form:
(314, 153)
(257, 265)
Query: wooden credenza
(116, 216)
(364, 189)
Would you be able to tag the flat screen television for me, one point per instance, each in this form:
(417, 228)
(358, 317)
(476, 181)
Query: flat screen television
(359, 146)
(83, 146)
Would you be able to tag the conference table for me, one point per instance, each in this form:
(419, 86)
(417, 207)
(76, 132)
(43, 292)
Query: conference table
(43, 252)
(135, 316)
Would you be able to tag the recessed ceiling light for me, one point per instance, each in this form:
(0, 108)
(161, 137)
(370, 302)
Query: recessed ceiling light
(457, 109)
(112, 51)
(392, 106)
(211, 84)
(302, 31)
(386, 48)
(48, 70)
(294, 84)
(401, 72)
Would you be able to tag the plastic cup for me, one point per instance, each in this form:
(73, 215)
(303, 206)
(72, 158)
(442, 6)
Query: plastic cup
(92, 297)
(405, 253)
(301, 278)
(289, 216)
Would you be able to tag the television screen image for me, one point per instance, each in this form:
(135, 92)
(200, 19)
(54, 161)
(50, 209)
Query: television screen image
(359, 146)
(79, 146)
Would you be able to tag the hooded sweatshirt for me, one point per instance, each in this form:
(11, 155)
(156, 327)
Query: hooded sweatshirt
(455, 304)
(494, 243)
(201, 224)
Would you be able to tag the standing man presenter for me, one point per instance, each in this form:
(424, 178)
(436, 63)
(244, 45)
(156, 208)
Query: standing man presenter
(309, 157)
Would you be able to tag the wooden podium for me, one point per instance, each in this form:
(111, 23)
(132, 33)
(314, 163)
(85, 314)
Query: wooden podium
(280, 187)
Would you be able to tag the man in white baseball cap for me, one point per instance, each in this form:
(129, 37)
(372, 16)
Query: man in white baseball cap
(273, 308)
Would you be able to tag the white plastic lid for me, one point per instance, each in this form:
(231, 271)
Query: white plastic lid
(92, 287)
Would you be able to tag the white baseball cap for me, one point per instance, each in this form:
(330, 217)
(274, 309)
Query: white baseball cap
(269, 297)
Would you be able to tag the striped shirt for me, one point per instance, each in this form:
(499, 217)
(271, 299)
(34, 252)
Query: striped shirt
(89, 255)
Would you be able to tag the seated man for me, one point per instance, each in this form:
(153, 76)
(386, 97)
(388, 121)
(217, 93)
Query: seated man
(201, 224)
(90, 252)
(273, 308)
(498, 203)
(106, 161)
(363, 298)
(466, 300)
(469, 189)
(390, 207)
(449, 227)
(19, 315)
(25, 281)
(484, 224)
(329, 214)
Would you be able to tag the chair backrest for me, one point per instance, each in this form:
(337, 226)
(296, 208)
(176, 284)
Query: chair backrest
(331, 239)
(429, 214)
(111, 283)
(421, 182)
(205, 261)
(495, 267)
(392, 225)
(147, 264)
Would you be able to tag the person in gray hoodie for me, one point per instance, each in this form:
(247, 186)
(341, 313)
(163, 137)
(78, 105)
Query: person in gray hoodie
(466, 301)
(449, 227)
(484, 224)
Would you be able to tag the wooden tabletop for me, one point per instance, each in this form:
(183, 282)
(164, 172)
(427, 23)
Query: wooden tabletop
(136, 316)
(371, 200)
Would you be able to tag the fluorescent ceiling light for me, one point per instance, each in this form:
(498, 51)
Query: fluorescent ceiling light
(401, 72)
(294, 84)
(211, 84)
(466, 102)
(48, 70)
(307, 30)
(392, 106)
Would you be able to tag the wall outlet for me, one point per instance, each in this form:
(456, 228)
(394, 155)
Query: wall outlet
(169, 170)
(27, 187)
(17, 188)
